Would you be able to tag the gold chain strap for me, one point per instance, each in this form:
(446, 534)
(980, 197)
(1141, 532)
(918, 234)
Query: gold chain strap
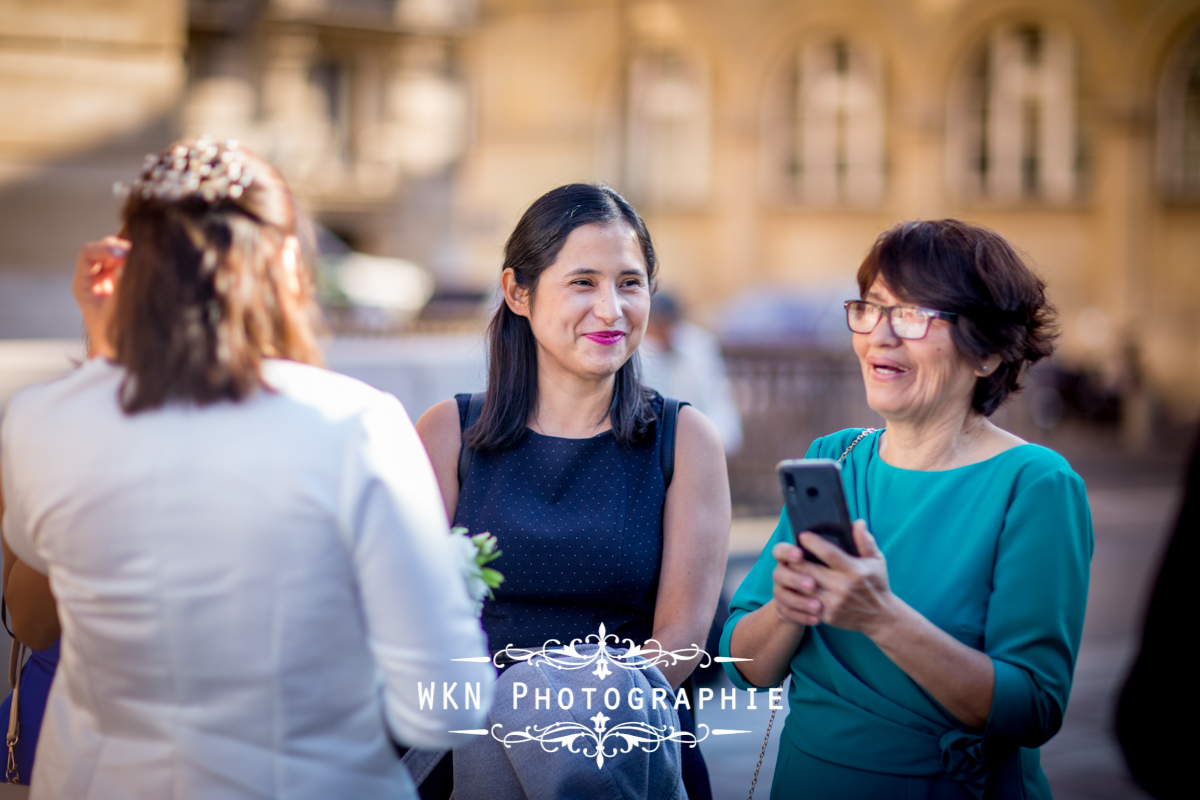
(763, 752)
(766, 739)
(15, 662)
(866, 432)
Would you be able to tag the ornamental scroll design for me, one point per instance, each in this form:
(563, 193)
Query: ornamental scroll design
(606, 656)
(598, 742)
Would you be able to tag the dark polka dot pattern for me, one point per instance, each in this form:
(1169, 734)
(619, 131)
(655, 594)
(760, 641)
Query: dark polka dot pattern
(580, 525)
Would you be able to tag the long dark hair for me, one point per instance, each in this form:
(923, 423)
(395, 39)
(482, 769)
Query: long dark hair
(512, 387)
(203, 298)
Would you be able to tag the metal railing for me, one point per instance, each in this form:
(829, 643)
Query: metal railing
(788, 395)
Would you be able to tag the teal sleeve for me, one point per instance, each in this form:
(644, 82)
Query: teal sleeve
(757, 588)
(1035, 614)
(755, 591)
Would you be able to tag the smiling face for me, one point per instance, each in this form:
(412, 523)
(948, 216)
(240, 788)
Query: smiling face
(913, 380)
(591, 306)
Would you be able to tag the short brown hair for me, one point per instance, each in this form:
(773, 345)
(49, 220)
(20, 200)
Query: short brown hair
(203, 299)
(1001, 305)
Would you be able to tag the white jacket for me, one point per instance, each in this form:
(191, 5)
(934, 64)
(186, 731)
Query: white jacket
(249, 592)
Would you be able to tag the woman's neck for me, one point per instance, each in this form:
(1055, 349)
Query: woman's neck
(950, 441)
(571, 407)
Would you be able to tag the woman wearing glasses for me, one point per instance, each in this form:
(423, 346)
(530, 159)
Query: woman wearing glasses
(938, 660)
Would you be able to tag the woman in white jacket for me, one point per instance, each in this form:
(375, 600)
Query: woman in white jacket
(254, 578)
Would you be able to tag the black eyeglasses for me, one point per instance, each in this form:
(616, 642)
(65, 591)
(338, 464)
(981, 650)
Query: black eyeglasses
(908, 322)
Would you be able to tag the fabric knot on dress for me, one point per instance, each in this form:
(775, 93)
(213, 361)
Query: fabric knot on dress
(963, 760)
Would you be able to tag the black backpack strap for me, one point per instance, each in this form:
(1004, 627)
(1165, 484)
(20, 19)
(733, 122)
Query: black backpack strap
(670, 423)
(465, 454)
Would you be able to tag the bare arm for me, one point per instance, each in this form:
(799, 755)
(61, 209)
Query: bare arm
(696, 519)
(30, 602)
(441, 433)
(853, 593)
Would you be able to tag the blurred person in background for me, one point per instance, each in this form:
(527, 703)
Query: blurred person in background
(681, 359)
(252, 567)
(937, 661)
(566, 467)
(1154, 735)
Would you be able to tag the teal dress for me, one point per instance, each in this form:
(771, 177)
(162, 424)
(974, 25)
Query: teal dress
(996, 554)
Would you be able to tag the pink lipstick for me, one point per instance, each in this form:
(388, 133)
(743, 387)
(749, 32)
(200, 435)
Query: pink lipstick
(606, 337)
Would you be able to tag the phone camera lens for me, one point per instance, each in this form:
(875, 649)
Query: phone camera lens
(811, 491)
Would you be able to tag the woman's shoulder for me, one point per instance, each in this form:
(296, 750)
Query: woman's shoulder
(1030, 463)
(698, 433)
(334, 395)
(1027, 474)
(445, 417)
(440, 429)
(94, 382)
(1031, 455)
(834, 444)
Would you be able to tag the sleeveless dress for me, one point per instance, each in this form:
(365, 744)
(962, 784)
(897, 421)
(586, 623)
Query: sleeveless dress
(579, 522)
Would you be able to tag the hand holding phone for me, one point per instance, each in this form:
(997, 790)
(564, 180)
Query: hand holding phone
(815, 501)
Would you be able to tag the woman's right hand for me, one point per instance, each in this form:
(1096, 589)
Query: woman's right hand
(794, 590)
(97, 271)
(770, 634)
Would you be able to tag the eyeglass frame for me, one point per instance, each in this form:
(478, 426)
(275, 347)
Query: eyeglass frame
(929, 314)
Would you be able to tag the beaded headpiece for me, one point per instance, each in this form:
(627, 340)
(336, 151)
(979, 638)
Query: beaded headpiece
(203, 170)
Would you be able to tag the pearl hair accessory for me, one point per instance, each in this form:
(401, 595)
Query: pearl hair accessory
(205, 170)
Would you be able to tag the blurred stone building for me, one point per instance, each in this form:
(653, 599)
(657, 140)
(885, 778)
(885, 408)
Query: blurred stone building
(85, 87)
(361, 103)
(767, 141)
(770, 141)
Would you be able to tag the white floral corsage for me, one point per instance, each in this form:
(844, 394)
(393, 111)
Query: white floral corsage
(477, 551)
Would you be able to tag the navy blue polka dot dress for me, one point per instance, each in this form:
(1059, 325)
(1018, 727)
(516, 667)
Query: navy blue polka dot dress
(580, 524)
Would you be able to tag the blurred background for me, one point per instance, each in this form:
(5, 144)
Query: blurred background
(767, 143)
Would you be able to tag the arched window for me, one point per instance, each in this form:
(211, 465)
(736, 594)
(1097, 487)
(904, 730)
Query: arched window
(1179, 122)
(838, 151)
(431, 14)
(1013, 121)
(668, 139)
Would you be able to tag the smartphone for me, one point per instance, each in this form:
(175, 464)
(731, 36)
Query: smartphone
(816, 501)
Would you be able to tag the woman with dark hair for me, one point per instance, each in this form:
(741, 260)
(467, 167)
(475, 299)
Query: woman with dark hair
(565, 463)
(238, 541)
(935, 662)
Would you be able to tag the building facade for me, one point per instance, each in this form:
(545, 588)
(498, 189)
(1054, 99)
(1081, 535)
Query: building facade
(767, 142)
(360, 103)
